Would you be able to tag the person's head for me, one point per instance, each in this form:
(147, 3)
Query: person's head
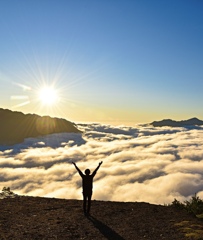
(87, 172)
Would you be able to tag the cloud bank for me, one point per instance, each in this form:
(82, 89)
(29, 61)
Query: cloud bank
(140, 163)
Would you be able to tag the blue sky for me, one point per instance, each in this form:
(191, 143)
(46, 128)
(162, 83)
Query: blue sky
(116, 61)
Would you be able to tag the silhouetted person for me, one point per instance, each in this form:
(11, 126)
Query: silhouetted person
(87, 184)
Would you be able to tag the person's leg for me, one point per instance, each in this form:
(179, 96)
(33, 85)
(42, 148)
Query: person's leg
(84, 203)
(89, 203)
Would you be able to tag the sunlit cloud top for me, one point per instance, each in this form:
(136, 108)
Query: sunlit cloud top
(142, 163)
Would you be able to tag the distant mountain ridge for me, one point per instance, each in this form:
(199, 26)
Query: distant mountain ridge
(173, 123)
(16, 126)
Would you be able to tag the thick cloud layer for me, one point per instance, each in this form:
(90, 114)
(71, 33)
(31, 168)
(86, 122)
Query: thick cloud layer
(142, 163)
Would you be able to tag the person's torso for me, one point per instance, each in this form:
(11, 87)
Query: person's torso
(87, 182)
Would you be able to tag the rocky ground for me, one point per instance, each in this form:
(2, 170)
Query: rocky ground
(24, 217)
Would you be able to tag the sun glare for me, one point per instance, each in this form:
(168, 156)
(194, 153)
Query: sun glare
(48, 96)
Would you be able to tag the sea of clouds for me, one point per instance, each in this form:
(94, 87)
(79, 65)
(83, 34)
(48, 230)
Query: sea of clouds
(140, 163)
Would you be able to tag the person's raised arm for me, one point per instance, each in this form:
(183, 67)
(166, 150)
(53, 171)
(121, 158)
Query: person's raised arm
(79, 171)
(95, 171)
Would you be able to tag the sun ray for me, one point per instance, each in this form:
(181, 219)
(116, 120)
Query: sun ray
(19, 97)
(24, 87)
(21, 104)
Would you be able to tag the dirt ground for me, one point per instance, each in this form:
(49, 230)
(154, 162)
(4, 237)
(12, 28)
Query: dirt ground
(32, 218)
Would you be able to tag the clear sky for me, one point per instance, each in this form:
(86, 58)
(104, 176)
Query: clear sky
(110, 61)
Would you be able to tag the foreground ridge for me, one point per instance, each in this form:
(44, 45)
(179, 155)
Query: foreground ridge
(25, 217)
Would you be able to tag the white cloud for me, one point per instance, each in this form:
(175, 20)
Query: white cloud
(139, 164)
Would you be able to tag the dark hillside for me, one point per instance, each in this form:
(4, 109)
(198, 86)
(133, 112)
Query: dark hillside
(48, 218)
(16, 126)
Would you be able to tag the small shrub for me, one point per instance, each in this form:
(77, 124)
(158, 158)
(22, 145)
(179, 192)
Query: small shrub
(194, 205)
(177, 204)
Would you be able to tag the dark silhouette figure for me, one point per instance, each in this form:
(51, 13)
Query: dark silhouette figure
(87, 185)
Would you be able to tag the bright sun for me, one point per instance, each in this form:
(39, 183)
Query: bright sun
(48, 96)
